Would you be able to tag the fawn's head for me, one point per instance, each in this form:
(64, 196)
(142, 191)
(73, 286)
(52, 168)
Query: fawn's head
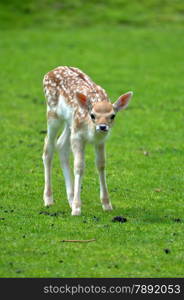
(103, 113)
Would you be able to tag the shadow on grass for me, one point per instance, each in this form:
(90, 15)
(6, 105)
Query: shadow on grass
(142, 215)
(133, 215)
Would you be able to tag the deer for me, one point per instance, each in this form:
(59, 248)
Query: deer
(84, 111)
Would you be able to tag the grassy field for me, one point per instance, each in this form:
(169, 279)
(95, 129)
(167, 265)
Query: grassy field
(145, 154)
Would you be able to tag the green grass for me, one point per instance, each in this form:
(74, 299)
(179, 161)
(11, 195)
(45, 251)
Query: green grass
(146, 189)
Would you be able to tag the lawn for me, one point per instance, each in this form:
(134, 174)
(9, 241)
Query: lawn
(145, 155)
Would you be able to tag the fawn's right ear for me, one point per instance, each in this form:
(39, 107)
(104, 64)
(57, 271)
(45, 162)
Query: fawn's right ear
(122, 101)
(82, 99)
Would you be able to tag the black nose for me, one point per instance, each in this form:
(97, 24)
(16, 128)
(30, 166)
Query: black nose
(103, 127)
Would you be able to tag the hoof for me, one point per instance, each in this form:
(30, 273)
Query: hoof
(70, 203)
(107, 207)
(48, 201)
(76, 212)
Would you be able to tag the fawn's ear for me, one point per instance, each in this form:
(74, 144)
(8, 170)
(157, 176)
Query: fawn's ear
(123, 101)
(82, 99)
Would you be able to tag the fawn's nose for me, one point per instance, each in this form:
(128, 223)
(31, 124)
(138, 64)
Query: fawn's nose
(103, 127)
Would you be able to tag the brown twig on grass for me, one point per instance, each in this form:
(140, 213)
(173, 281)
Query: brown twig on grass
(79, 241)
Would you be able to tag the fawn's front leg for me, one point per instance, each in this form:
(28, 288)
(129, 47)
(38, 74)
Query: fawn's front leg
(78, 151)
(100, 163)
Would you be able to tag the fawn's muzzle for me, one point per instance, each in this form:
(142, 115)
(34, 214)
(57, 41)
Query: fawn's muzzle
(102, 127)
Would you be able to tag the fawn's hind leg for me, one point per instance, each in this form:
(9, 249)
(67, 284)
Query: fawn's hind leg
(53, 126)
(63, 146)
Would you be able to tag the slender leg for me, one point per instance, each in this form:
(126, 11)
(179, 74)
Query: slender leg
(63, 146)
(100, 163)
(49, 146)
(78, 152)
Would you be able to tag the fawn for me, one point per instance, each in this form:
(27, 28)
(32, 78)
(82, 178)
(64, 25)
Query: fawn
(84, 108)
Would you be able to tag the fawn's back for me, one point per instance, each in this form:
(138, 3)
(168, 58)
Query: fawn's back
(62, 84)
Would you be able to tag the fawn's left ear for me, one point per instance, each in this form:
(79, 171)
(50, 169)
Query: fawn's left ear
(122, 101)
(82, 99)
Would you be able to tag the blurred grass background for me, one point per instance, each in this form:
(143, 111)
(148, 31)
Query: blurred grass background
(69, 13)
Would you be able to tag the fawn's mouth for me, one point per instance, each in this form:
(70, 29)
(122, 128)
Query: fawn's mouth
(102, 128)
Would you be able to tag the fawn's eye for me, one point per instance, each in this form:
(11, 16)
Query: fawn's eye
(112, 117)
(92, 116)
